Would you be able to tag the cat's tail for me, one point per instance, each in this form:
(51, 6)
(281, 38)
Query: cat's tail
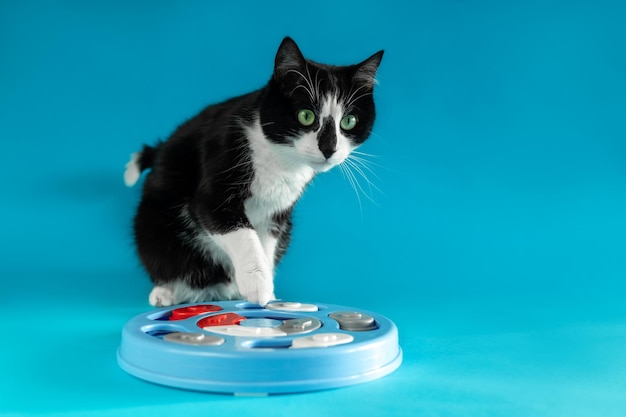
(139, 162)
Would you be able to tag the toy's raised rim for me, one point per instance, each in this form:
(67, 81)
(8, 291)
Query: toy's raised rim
(258, 388)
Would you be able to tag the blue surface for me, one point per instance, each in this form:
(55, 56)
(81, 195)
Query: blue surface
(496, 242)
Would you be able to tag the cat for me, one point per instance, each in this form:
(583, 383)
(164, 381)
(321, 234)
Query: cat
(215, 213)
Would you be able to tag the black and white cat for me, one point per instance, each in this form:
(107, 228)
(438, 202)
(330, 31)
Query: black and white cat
(215, 214)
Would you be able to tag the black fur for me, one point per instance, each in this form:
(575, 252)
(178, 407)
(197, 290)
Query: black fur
(200, 177)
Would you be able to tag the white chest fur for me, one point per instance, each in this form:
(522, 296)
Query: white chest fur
(279, 179)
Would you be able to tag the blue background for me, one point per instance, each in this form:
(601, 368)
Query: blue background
(496, 239)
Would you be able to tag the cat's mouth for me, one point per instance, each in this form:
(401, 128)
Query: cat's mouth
(311, 156)
(322, 166)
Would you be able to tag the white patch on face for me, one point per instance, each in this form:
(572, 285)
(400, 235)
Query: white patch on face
(308, 147)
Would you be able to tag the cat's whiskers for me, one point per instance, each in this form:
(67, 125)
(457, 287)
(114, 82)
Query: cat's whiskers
(351, 179)
(242, 160)
(361, 168)
(370, 155)
(314, 86)
(305, 89)
(309, 87)
(351, 100)
(351, 103)
(317, 83)
(355, 164)
(365, 163)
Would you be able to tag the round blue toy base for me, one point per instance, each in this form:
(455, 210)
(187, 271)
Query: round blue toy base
(235, 347)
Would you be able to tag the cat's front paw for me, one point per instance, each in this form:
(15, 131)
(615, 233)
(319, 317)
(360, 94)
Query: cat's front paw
(256, 285)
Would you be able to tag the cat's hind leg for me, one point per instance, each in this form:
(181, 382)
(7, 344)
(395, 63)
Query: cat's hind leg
(181, 269)
(161, 296)
(180, 292)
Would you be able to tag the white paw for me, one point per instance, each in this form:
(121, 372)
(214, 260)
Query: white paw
(161, 297)
(253, 271)
(256, 286)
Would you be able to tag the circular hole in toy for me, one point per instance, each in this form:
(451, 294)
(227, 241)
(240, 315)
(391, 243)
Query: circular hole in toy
(354, 321)
(161, 316)
(183, 313)
(161, 330)
(246, 305)
(268, 344)
(261, 322)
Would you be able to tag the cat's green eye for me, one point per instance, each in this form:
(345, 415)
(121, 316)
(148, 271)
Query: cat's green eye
(348, 122)
(306, 117)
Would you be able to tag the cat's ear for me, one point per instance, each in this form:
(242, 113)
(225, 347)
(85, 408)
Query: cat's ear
(288, 59)
(365, 72)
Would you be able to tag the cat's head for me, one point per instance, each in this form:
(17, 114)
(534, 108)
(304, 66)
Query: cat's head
(320, 113)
